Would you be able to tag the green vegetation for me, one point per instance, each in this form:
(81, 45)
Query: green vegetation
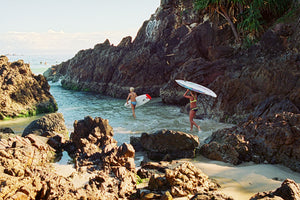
(86, 89)
(139, 180)
(48, 108)
(247, 19)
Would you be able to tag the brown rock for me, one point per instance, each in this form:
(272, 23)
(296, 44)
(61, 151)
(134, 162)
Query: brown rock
(22, 92)
(169, 144)
(50, 124)
(289, 190)
(260, 139)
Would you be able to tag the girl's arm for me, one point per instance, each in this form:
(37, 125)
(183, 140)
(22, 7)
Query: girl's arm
(187, 96)
(128, 98)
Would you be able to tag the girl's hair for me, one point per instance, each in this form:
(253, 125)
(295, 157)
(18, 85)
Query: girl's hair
(131, 89)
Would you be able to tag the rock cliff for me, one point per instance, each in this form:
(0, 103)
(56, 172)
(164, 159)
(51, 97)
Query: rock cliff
(145, 63)
(179, 43)
(22, 93)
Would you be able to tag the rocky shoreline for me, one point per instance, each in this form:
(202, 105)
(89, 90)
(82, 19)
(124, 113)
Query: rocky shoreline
(110, 171)
(258, 91)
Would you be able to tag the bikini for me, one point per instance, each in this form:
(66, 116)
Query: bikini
(133, 103)
(196, 108)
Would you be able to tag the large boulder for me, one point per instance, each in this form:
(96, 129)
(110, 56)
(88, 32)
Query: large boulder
(48, 125)
(22, 93)
(273, 139)
(289, 190)
(168, 145)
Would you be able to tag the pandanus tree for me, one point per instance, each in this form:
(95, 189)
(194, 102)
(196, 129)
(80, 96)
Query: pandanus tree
(245, 17)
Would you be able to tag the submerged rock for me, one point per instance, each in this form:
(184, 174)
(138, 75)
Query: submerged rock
(22, 93)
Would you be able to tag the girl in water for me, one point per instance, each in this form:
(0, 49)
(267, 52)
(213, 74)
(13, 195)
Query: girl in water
(132, 95)
(193, 107)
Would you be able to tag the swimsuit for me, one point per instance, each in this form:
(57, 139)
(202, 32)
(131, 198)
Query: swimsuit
(195, 109)
(133, 103)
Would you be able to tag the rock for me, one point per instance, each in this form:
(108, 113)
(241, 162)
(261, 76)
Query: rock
(22, 92)
(6, 133)
(274, 139)
(6, 130)
(50, 124)
(26, 170)
(184, 180)
(22, 164)
(169, 145)
(207, 196)
(187, 179)
(136, 143)
(289, 190)
(97, 149)
(167, 196)
(97, 130)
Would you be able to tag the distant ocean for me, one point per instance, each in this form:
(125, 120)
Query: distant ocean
(39, 63)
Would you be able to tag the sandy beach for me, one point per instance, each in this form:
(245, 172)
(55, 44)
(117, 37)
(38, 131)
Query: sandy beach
(243, 181)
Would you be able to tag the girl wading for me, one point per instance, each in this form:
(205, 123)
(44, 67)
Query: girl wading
(132, 95)
(193, 107)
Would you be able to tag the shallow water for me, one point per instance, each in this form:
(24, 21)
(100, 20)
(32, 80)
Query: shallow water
(240, 182)
(151, 117)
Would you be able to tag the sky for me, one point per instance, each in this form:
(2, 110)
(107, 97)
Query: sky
(36, 27)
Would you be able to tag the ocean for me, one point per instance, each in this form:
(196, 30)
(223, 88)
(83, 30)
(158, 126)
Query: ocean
(240, 182)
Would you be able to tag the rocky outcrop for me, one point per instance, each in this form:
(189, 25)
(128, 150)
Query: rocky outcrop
(181, 181)
(173, 35)
(22, 93)
(23, 168)
(273, 139)
(289, 190)
(26, 170)
(167, 144)
(95, 148)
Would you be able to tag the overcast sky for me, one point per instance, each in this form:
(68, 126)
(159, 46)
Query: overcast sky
(67, 26)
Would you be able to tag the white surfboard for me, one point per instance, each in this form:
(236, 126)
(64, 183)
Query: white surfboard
(140, 100)
(196, 87)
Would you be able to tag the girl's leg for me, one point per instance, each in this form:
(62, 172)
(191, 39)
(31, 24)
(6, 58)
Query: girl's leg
(133, 110)
(192, 115)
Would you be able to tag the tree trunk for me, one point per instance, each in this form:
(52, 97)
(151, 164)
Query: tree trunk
(225, 15)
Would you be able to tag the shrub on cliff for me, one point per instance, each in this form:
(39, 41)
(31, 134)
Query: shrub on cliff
(249, 16)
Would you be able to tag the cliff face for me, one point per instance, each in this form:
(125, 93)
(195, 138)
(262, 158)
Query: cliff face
(22, 92)
(169, 38)
(178, 43)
